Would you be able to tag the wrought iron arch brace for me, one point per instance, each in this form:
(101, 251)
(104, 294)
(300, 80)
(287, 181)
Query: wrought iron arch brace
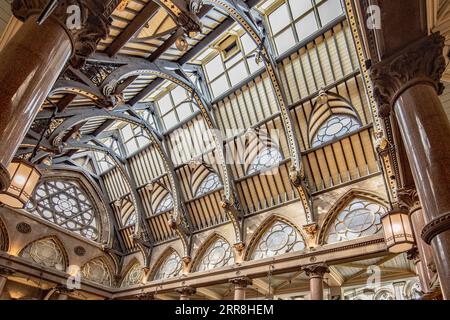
(229, 203)
(176, 223)
(239, 11)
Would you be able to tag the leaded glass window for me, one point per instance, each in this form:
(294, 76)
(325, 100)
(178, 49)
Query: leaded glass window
(336, 126)
(219, 254)
(210, 183)
(360, 218)
(104, 162)
(280, 238)
(171, 267)
(45, 252)
(132, 219)
(134, 138)
(66, 205)
(134, 276)
(268, 158)
(97, 271)
(175, 106)
(166, 204)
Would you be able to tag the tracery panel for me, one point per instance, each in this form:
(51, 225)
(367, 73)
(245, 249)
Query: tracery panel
(218, 254)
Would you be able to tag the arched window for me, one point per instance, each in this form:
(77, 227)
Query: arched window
(97, 271)
(268, 158)
(210, 183)
(332, 117)
(65, 204)
(360, 218)
(336, 126)
(46, 252)
(279, 238)
(218, 254)
(134, 276)
(170, 267)
(166, 204)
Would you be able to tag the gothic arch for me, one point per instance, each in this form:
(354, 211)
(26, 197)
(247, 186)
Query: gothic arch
(4, 238)
(264, 227)
(329, 106)
(100, 270)
(134, 273)
(47, 251)
(228, 252)
(344, 201)
(199, 174)
(90, 190)
(162, 259)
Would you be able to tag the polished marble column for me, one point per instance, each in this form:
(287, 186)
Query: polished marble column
(240, 287)
(32, 60)
(316, 274)
(406, 87)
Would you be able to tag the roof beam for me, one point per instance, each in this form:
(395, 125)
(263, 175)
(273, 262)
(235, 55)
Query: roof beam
(135, 26)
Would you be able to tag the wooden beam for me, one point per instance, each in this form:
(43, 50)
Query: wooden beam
(379, 263)
(261, 286)
(134, 27)
(166, 45)
(65, 101)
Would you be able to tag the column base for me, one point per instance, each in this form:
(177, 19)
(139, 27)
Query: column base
(5, 178)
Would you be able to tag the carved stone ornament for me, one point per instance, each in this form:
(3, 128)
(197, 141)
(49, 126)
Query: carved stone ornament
(86, 22)
(187, 291)
(422, 62)
(242, 282)
(408, 199)
(311, 230)
(316, 270)
(23, 228)
(435, 227)
(195, 6)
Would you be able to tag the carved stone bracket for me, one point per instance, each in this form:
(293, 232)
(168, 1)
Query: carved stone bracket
(6, 272)
(422, 62)
(86, 22)
(146, 296)
(413, 255)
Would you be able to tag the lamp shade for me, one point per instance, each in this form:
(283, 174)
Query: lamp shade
(398, 231)
(24, 179)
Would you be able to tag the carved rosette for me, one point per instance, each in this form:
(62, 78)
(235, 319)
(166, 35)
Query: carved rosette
(422, 62)
(316, 270)
(408, 199)
(86, 25)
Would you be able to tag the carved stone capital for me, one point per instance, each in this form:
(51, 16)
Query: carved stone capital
(242, 282)
(146, 296)
(187, 291)
(85, 21)
(316, 270)
(62, 289)
(422, 62)
(408, 199)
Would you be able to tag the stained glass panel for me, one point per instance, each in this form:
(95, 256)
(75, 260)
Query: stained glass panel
(210, 183)
(219, 254)
(336, 126)
(171, 267)
(268, 158)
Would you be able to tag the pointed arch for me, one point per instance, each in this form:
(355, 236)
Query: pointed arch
(277, 235)
(332, 116)
(216, 252)
(71, 200)
(134, 274)
(261, 152)
(98, 270)
(204, 180)
(48, 252)
(347, 206)
(4, 238)
(168, 265)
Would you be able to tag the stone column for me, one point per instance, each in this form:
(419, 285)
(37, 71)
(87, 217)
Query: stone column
(316, 274)
(186, 293)
(4, 273)
(422, 256)
(33, 58)
(406, 87)
(240, 287)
